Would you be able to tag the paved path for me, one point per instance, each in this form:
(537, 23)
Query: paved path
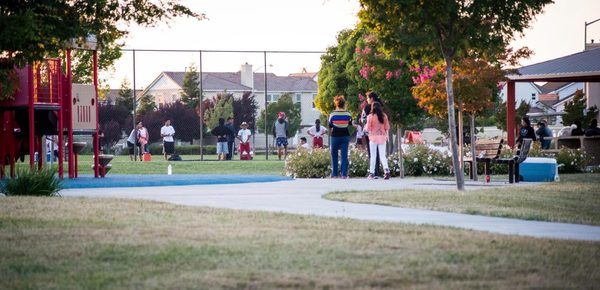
(303, 196)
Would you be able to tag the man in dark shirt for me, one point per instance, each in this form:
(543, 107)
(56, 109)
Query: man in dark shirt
(230, 137)
(221, 133)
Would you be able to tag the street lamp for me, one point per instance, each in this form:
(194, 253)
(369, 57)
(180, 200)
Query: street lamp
(585, 32)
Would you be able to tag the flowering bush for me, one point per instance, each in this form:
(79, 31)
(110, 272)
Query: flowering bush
(358, 163)
(309, 164)
(421, 160)
(572, 160)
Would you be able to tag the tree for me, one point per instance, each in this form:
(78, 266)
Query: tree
(125, 96)
(191, 90)
(335, 77)
(455, 27)
(576, 111)
(222, 108)
(32, 30)
(244, 110)
(286, 105)
(146, 104)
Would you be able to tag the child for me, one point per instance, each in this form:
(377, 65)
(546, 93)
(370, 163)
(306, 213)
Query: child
(316, 132)
(304, 144)
(244, 136)
(360, 137)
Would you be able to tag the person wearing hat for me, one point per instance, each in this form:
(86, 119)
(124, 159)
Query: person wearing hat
(280, 133)
(244, 136)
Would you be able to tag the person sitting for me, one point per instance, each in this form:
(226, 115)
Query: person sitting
(577, 131)
(593, 129)
(545, 134)
(304, 144)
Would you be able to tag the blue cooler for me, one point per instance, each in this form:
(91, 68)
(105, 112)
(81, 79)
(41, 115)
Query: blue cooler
(538, 169)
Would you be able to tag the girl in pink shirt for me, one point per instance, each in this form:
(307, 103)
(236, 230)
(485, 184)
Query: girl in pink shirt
(378, 127)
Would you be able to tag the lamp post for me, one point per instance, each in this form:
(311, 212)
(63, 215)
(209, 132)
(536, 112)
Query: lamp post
(585, 31)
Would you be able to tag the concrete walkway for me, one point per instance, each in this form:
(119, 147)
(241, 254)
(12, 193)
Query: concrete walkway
(304, 196)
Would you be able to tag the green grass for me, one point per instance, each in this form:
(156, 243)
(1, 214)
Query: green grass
(82, 243)
(575, 199)
(210, 165)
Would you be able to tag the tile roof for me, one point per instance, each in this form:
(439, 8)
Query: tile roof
(217, 81)
(581, 66)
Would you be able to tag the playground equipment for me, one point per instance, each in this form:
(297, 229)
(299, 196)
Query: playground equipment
(47, 103)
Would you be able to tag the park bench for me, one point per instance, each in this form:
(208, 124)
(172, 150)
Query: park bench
(486, 151)
(514, 161)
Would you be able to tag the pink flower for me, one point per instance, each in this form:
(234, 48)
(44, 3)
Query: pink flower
(364, 72)
(373, 68)
(361, 97)
(367, 50)
(416, 80)
(357, 50)
(401, 62)
(397, 73)
(388, 75)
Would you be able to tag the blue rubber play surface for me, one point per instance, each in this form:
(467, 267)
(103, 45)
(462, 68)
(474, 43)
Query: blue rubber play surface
(140, 180)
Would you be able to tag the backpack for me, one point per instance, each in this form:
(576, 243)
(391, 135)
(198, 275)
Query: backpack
(175, 157)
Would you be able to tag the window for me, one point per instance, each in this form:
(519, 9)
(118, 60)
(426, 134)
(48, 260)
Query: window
(173, 98)
(272, 98)
(314, 96)
(298, 98)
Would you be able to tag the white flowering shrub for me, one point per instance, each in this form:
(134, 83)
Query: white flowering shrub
(421, 160)
(572, 160)
(315, 163)
(358, 163)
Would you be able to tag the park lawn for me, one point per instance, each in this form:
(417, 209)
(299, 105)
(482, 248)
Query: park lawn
(84, 243)
(575, 199)
(190, 165)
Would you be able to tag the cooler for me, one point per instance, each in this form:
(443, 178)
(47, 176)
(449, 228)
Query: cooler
(538, 169)
(147, 157)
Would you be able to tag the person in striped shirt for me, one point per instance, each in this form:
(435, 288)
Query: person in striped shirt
(339, 122)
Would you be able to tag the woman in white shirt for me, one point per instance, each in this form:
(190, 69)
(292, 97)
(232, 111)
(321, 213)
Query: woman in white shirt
(316, 132)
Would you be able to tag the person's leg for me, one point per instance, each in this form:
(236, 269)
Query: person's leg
(384, 162)
(344, 152)
(334, 156)
(377, 163)
(165, 149)
(372, 148)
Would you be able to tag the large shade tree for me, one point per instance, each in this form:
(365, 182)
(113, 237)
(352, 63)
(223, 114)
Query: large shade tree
(447, 29)
(31, 30)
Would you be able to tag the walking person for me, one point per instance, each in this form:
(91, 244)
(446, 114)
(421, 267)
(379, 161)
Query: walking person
(378, 127)
(372, 97)
(167, 132)
(280, 133)
(221, 132)
(316, 132)
(230, 138)
(339, 121)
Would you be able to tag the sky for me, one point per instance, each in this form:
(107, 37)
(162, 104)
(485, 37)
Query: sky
(304, 25)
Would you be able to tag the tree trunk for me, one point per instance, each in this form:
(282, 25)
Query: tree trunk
(400, 152)
(461, 141)
(473, 141)
(460, 180)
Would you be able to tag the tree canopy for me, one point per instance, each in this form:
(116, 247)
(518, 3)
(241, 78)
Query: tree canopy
(444, 29)
(31, 30)
(191, 90)
(284, 104)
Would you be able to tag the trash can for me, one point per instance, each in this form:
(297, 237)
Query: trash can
(538, 169)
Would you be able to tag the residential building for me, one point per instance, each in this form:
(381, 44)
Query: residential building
(168, 88)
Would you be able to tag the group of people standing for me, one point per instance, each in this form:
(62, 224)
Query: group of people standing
(375, 127)
(225, 133)
(139, 137)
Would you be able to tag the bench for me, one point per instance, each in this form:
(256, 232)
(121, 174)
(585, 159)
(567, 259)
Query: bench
(514, 161)
(486, 151)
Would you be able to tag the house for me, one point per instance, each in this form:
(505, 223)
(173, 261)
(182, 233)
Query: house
(551, 102)
(168, 87)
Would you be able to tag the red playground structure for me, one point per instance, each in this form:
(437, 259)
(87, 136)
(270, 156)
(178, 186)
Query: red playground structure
(46, 103)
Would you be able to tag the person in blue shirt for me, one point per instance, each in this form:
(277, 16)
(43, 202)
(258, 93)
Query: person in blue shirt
(545, 134)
